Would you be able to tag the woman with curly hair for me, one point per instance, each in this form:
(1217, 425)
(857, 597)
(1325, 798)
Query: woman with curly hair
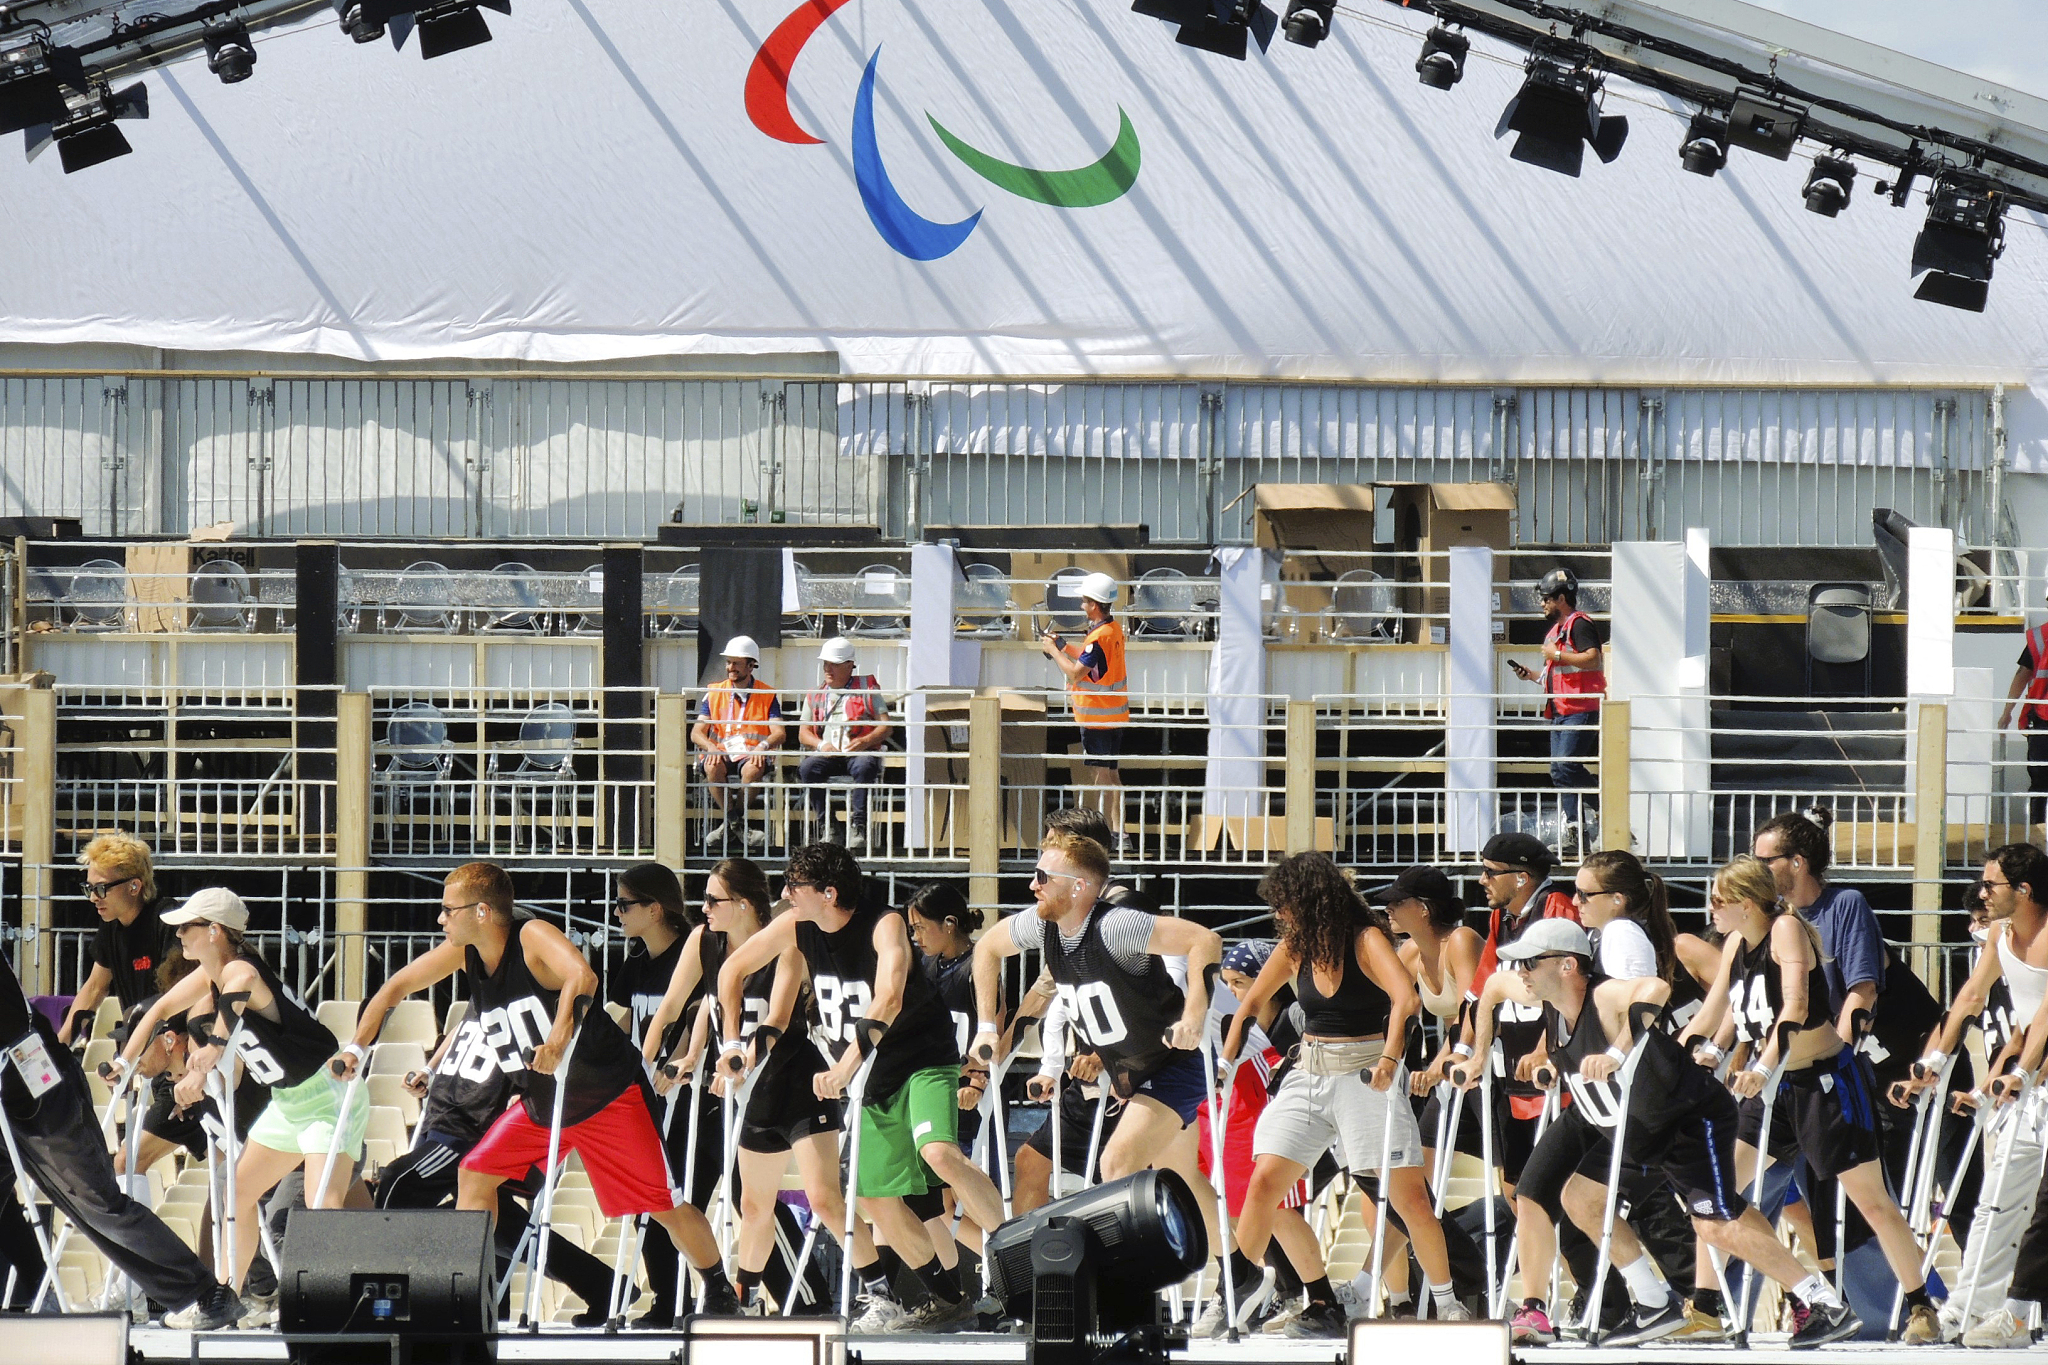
(1358, 999)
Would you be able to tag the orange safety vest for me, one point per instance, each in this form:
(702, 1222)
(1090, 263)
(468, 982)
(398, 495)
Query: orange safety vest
(1105, 703)
(1571, 690)
(2034, 701)
(734, 715)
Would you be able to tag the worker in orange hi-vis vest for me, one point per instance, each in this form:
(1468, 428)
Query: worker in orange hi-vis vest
(1573, 683)
(2028, 695)
(1099, 691)
(739, 727)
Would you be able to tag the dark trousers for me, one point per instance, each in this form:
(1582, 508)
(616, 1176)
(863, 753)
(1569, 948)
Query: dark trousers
(1572, 738)
(864, 768)
(58, 1137)
(2037, 774)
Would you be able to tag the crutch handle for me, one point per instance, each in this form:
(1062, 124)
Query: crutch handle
(1544, 1077)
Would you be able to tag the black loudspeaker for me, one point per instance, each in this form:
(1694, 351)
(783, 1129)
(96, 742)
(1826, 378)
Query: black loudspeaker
(387, 1271)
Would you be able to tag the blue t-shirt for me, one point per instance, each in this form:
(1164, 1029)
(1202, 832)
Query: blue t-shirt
(1849, 935)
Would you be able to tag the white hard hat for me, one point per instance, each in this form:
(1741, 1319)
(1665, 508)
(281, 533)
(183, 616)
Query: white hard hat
(1099, 587)
(837, 650)
(742, 647)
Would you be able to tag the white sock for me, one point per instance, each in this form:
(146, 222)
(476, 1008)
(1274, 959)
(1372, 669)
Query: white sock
(1444, 1295)
(1818, 1291)
(1643, 1285)
(2021, 1309)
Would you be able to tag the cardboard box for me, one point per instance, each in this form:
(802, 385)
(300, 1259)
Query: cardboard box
(1023, 762)
(1430, 518)
(160, 576)
(1313, 516)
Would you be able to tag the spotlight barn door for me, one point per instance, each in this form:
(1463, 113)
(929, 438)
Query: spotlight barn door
(387, 1270)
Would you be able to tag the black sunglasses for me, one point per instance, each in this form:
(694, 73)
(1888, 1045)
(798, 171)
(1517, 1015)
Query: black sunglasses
(99, 890)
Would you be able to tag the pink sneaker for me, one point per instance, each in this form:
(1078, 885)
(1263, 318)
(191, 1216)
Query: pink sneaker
(1531, 1325)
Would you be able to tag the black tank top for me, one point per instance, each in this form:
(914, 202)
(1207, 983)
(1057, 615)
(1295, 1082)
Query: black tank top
(843, 968)
(756, 993)
(1996, 1021)
(1120, 1015)
(1667, 1084)
(1519, 1027)
(1756, 994)
(640, 983)
(512, 1013)
(281, 1052)
(1686, 999)
(1904, 1015)
(1358, 1008)
(953, 979)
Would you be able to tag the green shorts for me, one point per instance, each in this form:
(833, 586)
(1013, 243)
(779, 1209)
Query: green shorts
(925, 1109)
(301, 1119)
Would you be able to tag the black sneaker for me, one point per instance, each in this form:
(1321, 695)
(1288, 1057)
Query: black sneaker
(1649, 1324)
(1319, 1320)
(721, 1300)
(1825, 1325)
(659, 1317)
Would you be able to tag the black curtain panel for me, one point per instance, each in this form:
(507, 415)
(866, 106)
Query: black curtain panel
(739, 592)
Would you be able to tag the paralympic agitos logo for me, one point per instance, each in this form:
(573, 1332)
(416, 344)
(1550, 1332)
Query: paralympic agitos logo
(902, 227)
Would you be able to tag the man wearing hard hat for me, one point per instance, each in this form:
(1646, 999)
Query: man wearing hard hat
(739, 728)
(1573, 683)
(1098, 688)
(845, 725)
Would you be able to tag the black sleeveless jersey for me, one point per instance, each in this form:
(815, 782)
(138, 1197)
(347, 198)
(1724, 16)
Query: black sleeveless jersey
(510, 1013)
(1519, 1027)
(843, 968)
(640, 983)
(1756, 994)
(1686, 999)
(1357, 1009)
(1121, 1016)
(1667, 1084)
(1997, 1020)
(756, 994)
(1904, 1015)
(953, 979)
(281, 1052)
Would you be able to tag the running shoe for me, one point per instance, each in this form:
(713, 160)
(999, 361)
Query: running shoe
(937, 1315)
(1649, 1324)
(216, 1310)
(875, 1314)
(259, 1311)
(1825, 1324)
(1700, 1327)
(721, 1300)
(1531, 1325)
(1277, 1323)
(1922, 1328)
(1318, 1321)
(2000, 1330)
(1455, 1312)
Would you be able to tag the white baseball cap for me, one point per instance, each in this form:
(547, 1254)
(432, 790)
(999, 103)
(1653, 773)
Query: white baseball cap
(1548, 936)
(213, 904)
(837, 650)
(1099, 587)
(742, 647)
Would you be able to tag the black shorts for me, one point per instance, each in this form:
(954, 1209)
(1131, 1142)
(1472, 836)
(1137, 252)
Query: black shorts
(1513, 1139)
(785, 1109)
(188, 1128)
(1076, 1118)
(1696, 1154)
(1824, 1112)
(1100, 745)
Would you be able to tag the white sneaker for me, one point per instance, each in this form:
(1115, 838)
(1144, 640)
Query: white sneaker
(1276, 1325)
(2000, 1329)
(715, 835)
(258, 1310)
(875, 1314)
(216, 1310)
(754, 838)
(1349, 1299)
(1457, 1312)
(1250, 1303)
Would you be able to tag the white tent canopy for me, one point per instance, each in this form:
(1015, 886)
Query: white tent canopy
(591, 187)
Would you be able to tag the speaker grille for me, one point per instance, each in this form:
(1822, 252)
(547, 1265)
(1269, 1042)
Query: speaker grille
(1052, 1309)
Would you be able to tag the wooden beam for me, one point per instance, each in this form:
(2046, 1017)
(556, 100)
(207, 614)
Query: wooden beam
(984, 800)
(352, 840)
(1301, 776)
(1614, 775)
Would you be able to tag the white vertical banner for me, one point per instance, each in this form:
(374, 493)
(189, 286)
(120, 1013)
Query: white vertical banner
(1658, 664)
(1237, 685)
(1471, 738)
(1973, 737)
(1930, 613)
(930, 664)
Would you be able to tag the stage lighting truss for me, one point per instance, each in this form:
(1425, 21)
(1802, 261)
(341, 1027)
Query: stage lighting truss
(1442, 63)
(1829, 184)
(1225, 27)
(1308, 21)
(1705, 149)
(230, 51)
(1557, 111)
(1964, 235)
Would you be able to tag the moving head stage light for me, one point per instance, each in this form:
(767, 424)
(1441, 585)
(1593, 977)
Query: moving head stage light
(1086, 1270)
(1557, 111)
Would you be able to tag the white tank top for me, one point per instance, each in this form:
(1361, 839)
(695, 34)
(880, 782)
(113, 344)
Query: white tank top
(2026, 984)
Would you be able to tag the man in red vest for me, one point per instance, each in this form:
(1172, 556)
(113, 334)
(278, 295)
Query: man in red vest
(845, 725)
(1573, 683)
(2029, 695)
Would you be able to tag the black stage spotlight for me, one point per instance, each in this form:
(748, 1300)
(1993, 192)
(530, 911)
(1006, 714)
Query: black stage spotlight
(1964, 234)
(1442, 63)
(1705, 149)
(1828, 184)
(86, 135)
(230, 53)
(1308, 21)
(359, 20)
(1225, 27)
(32, 80)
(445, 26)
(1764, 123)
(1557, 111)
(1086, 1270)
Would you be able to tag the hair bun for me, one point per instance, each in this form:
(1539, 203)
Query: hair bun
(1821, 817)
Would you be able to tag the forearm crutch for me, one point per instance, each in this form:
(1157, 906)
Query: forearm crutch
(1642, 1017)
(1489, 1180)
(1763, 1162)
(856, 1091)
(1095, 1135)
(2019, 1118)
(623, 1269)
(1228, 1287)
(348, 1095)
(1449, 1148)
(1512, 1266)
(995, 1130)
(529, 1315)
(1982, 1115)
(690, 1168)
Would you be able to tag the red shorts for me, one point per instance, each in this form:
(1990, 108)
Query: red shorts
(620, 1146)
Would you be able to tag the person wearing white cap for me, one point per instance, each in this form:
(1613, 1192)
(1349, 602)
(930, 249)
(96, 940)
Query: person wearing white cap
(845, 725)
(1099, 689)
(739, 727)
(280, 1043)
